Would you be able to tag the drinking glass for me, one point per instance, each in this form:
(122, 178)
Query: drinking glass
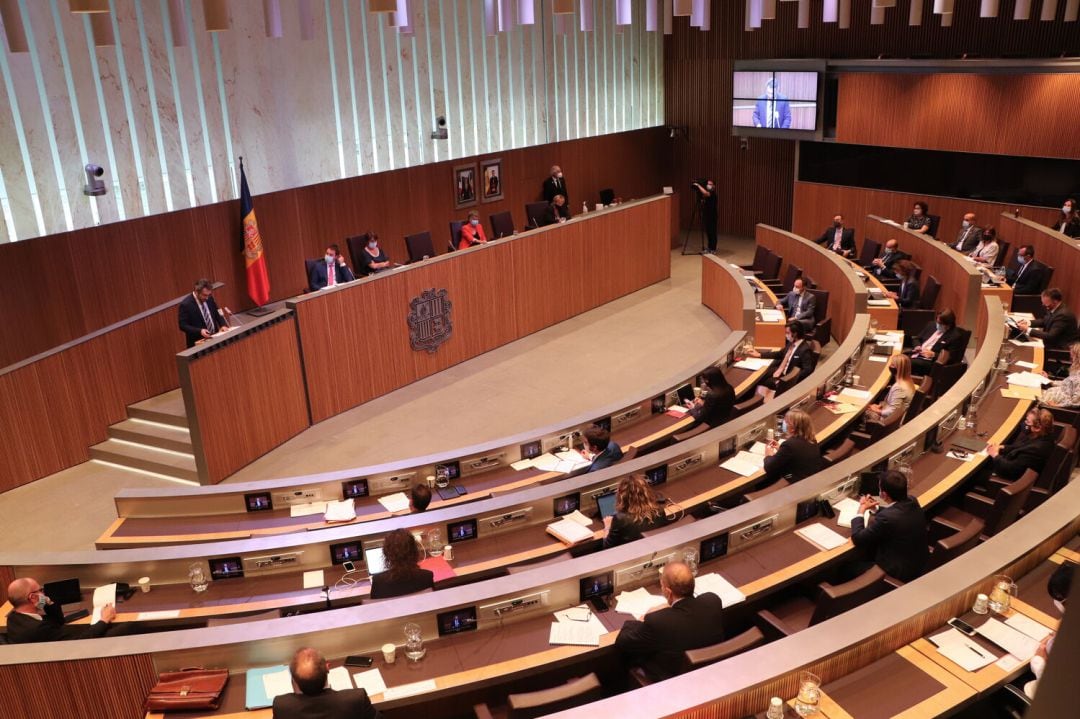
(414, 643)
(690, 558)
(197, 578)
(806, 701)
(434, 542)
(1002, 593)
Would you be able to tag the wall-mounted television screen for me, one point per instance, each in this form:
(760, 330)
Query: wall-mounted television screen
(775, 100)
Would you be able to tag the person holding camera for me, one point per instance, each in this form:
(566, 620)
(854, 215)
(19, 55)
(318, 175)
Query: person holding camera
(706, 190)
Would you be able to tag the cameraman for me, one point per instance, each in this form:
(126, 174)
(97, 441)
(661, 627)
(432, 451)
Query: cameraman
(707, 203)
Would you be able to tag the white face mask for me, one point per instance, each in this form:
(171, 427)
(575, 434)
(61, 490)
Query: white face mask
(329, 259)
(966, 224)
(474, 223)
(1066, 209)
(372, 245)
(42, 601)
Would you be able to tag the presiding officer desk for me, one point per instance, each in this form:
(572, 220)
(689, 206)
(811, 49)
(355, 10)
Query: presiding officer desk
(354, 340)
(514, 647)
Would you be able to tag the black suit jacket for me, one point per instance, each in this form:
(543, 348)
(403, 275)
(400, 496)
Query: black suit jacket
(1056, 329)
(191, 320)
(553, 213)
(847, 240)
(897, 538)
(796, 457)
(1025, 453)
(554, 187)
(382, 586)
(318, 277)
(24, 629)
(908, 294)
(657, 643)
(1030, 279)
(970, 238)
(803, 358)
(889, 259)
(716, 407)
(952, 340)
(348, 704)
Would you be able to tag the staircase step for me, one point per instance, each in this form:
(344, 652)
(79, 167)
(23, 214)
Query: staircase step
(150, 459)
(165, 408)
(153, 434)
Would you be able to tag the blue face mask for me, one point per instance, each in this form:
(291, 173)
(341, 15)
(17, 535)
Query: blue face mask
(939, 327)
(474, 223)
(783, 426)
(42, 601)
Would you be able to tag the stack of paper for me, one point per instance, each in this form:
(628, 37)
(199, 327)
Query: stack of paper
(522, 464)
(729, 594)
(847, 509)
(265, 683)
(1027, 379)
(103, 596)
(962, 651)
(577, 516)
(821, 536)
(569, 531)
(339, 679)
(841, 407)
(878, 303)
(1029, 343)
(759, 448)
(396, 502)
(577, 626)
(1017, 392)
(753, 364)
(306, 510)
(1028, 626)
(546, 462)
(340, 511)
(889, 340)
(1025, 365)
(371, 681)
(407, 690)
(677, 410)
(638, 602)
(314, 579)
(1011, 640)
(771, 315)
(854, 395)
(157, 616)
(744, 463)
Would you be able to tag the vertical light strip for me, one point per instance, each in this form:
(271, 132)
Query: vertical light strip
(585, 73)
(188, 24)
(405, 132)
(331, 61)
(431, 79)
(181, 131)
(225, 124)
(421, 136)
(46, 113)
(554, 75)
(498, 91)
(352, 88)
(446, 86)
(5, 210)
(509, 86)
(370, 98)
(24, 149)
(597, 85)
(629, 34)
(73, 99)
(566, 40)
(525, 94)
(459, 119)
(103, 112)
(577, 86)
(390, 144)
(536, 94)
(472, 84)
(609, 91)
(122, 80)
(487, 90)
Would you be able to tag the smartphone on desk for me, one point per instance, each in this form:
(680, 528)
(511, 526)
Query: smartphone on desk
(961, 626)
(357, 661)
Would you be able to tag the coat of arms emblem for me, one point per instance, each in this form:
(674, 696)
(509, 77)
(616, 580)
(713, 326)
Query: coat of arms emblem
(429, 320)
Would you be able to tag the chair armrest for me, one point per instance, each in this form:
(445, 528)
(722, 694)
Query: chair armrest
(940, 528)
(1017, 693)
(701, 428)
(893, 582)
(977, 505)
(772, 625)
(481, 711)
(862, 440)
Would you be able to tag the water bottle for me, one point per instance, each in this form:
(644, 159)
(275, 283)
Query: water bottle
(584, 208)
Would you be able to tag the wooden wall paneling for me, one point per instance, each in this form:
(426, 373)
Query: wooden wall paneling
(548, 277)
(244, 396)
(1051, 248)
(79, 689)
(997, 112)
(725, 292)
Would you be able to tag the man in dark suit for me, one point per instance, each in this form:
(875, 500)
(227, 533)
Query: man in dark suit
(558, 211)
(968, 236)
(908, 293)
(799, 304)
(796, 352)
(321, 275)
(316, 701)
(890, 255)
(1056, 328)
(34, 617)
(838, 238)
(897, 532)
(657, 643)
(605, 451)
(554, 184)
(939, 336)
(1031, 276)
(199, 315)
(772, 109)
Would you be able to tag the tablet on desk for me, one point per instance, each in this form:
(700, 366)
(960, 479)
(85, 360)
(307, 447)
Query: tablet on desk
(605, 504)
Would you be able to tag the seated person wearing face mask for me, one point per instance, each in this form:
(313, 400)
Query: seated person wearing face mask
(919, 221)
(714, 407)
(935, 338)
(838, 238)
(35, 618)
(986, 252)
(908, 295)
(1030, 449)
(1057, 327)
(556, 212)
(898, 398)
(472, 232)
(1069, 222)
(896, 536)
(796, 352)
(968, 236)
(883, 267)
(799, 455)
(799, 304)
(1030, 276)
(601, 448)
(332, 271)
(373, 259)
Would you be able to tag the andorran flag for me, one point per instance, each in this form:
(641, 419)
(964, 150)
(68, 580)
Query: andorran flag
(258, 280)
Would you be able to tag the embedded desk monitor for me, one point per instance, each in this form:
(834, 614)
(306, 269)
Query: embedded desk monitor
(452, 469)
(774, 100)
(354, 488)
(461, 531)
(656, 476)
(869, 484)
(226, 568)
(345, 552)
(568, 504)
(531, 450)
(806, 510)
(713, 547)
(605, 504)
(376, 561)
(66, 591)
(456, 621)
(686, 393)
(603, 423)
(258, 502)
(593, 589)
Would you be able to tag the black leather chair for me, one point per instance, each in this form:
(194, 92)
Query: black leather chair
(309, 265)
(1032, 303)
(822, 324)
(698, 658)
(798, 613)
(742, 408)
(356, 245)
(997, 512)
(761, 253)
(534, 214)
(607, 196)
(502, 224)
(781, 288)
(870, 250)
(455, 234)
(935, 222)
(771, 267)
(419, 246)
(929, 295)
(546, 701)
(949, 548)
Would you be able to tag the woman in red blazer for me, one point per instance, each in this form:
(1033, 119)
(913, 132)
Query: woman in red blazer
(472, 232)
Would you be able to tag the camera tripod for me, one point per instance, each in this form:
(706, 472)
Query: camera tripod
(695, 226)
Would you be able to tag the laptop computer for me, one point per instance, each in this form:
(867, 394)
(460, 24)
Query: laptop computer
(971, 444)
(686, 393)
(376, 561)
(605, 504)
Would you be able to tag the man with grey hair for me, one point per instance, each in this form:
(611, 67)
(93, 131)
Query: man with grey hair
(688, 622)
(315, 700)
(554, 184)
(34, 617)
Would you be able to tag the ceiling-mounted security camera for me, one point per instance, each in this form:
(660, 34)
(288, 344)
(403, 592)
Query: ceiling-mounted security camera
(94, 187)
(440, 132)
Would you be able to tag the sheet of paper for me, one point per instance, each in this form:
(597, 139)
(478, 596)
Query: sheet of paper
(569, 531)
(1026, 379)
(841, 407)
(103, 595)
(888, 339)
(965, 657)
(314, 579)
(522, 464)
(155, 616)
(847, 509)
(1017, 392)
(546, 462)
(1028, 626)
(744, 463)
(1007, 663)
(407, 690)
(678, 409)
(306, 510)
(878, 303)
(575, 633)
(768, 315)
(339, 679)
(277, 683)
(757, 448)
(821, 536)
(577, 516)
(1030, 343)
(637, 602)
(1025, 365)
(878, 358)
(396, 502)
(729, 594)
(371, 680)
(342, 510)
(753, 364)
(1011, 640)
(852, 394)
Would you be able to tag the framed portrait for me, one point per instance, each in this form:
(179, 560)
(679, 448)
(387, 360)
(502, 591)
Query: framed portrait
(491, 180)
(466, 186)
